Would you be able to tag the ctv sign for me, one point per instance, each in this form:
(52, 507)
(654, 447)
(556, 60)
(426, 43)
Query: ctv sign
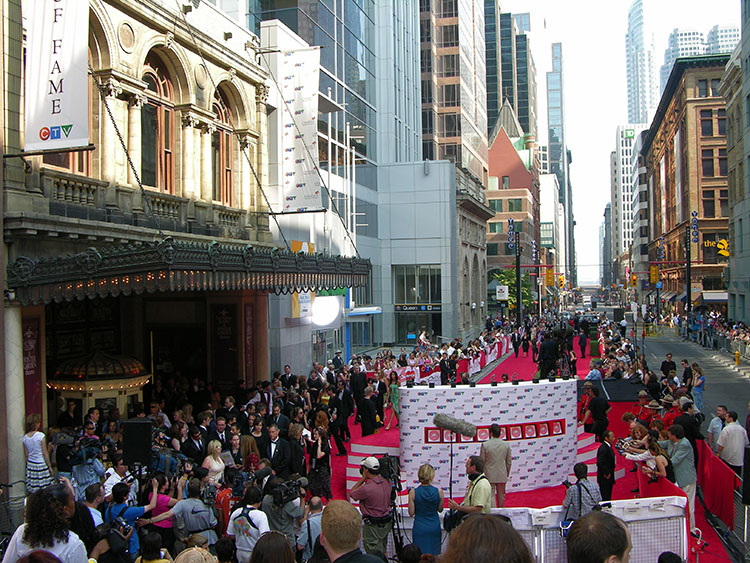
(57, 109)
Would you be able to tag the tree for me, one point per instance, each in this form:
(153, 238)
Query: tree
(508, 277)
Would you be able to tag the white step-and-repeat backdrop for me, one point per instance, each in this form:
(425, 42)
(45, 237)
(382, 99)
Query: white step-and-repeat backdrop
(538, 420)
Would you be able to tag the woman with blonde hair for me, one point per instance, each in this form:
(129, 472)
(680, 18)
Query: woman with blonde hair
(249, 453)
(38, 464)
(214, 463)
(424, 504)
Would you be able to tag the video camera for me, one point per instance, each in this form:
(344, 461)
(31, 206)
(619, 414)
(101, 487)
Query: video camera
(244, 478)
(288, 491)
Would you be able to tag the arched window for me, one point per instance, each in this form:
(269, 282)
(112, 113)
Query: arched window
(157, 127)
(222, 155)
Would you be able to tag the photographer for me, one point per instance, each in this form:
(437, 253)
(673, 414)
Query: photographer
(120, 511)
(581, 498)
(283, 506)
(199, 517)
(85, 465)
(374, 495)
(119, 474)
(247, 523)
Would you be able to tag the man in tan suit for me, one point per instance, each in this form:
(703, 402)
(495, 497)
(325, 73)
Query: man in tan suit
(497, 459)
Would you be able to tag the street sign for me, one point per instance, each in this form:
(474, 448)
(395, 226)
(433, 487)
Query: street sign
(634, 307)
(644, 308)
(654, 274)
(501, 292)
(658, 285)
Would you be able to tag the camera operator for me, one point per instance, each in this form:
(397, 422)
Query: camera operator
(85, 465)
(119, 474)
(283, 506)
(130, 514)
(198, 516)
(374, 495)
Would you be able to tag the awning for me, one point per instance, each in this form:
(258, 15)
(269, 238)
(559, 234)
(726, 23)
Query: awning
(667, 295)
(362, 311)
(715, 296)
(696, 293)
(172, 265)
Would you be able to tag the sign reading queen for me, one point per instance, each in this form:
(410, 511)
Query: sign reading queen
(538, 421)
(56, 94)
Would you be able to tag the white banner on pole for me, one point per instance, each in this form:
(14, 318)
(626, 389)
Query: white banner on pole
(299, 71)
(57, 109)
(501, 293)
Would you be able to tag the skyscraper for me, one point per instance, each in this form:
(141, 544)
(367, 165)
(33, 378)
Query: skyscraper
(526, 85)
(722, 39)
(643, 89)
(622, 187)
(681, 43)
(454, 80)
(558, 153)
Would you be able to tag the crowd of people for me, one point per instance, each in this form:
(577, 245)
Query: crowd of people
(246, 475)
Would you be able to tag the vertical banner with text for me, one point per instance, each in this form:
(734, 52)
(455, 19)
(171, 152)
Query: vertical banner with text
(57, 109)
(298, 81)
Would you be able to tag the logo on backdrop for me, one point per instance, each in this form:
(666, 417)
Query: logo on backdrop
(510, 432)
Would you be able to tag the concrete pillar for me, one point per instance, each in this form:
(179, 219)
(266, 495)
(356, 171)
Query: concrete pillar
(261, 96)
(15, 401)
(109, 141)
(247, 182)
(261, 351)
(189, 123)
(135, 103)
(206, 167)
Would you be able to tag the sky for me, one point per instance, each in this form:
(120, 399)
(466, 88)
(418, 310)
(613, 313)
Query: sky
(592, 33)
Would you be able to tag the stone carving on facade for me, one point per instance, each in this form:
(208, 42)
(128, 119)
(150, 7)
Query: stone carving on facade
(261, 93)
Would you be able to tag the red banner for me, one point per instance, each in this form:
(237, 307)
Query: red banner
(32, 365)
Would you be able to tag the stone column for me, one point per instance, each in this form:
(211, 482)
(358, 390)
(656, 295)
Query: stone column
(135, 103)
(206, 166)
(260, 337)
(189, 122)
(109, 141)
(246, 176)
(261, 96)
(15, 401)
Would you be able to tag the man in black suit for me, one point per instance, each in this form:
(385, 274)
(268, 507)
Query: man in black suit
(667, 366)
(204, 422)
(194, 448)
(279, 419)
(338, 416)
(547, 356)
(605, 465)
(287, 378)
(221, 433)
(358, 382)
(279, 452)
(445, 370)
(515, 340)
(368, 413)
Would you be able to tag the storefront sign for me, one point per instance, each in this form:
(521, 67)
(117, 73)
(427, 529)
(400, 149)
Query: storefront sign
(418, 308)
(57, 109)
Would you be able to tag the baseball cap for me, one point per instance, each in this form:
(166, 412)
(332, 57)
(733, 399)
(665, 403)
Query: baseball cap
(371, 463)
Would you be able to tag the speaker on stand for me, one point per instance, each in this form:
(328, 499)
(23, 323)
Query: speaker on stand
(136, 442)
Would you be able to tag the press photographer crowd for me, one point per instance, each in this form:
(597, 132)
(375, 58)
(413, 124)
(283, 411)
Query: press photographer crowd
(196, 475)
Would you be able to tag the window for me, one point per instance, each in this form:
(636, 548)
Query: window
(515, 205)
(448, 36)
(428, 124)
(738, 237)
(707, 161)
(416, 284)
(715, 88)
(509, 251)
(448, 65)
(506, 182)
(427, 92)
(450, 151)
(449, 96)
(724, 203)
(424, 31)
(448, 8)
(722, 121)
(747, 110)
(493, 249)
(496, 227)
(496, 205)
(157, 167)
(703, 88)
(428, 150)
(707, 123)
(722, 162)
(709, 205)
(221, 151)
(450, 125)
(425, 60)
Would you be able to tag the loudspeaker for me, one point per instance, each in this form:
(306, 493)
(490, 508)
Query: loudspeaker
(136, 441)
(746, 477)
(618, 314)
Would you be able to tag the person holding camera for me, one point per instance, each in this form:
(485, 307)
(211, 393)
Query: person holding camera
(126, 516)
(581, 498)
(247, 523)
(166, 499)
(199, 517)
(373, 493)
(283, 506)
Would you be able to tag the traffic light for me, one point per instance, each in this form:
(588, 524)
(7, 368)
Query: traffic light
(633, 280)
(561, 282)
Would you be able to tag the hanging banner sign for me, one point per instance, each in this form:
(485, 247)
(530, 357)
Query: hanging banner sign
(298, 80)
(57, 108)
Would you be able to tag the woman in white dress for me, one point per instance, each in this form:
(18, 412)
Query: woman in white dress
(214, 463)
(38, 465)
